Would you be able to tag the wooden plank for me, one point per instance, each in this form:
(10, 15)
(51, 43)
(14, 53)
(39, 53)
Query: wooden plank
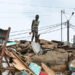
(18, 63)
(47, 69)
(48, 46)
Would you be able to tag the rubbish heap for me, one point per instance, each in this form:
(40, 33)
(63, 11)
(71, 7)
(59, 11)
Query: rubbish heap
(49, 58)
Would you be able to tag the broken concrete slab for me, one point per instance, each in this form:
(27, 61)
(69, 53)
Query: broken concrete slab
(36, 48)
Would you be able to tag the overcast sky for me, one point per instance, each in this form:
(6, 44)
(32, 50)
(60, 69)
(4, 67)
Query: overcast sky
(18, 14)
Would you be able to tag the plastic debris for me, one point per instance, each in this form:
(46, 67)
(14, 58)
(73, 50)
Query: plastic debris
(35, 68)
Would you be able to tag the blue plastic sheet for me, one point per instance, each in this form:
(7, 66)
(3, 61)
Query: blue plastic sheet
(35, 68)
(11, 43)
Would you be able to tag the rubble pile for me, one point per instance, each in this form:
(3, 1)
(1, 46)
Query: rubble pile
(52, 54)
(56, 58)
(55, 55)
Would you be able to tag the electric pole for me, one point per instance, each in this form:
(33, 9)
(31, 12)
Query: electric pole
(68, 32)
(68, 26)
(61, 25)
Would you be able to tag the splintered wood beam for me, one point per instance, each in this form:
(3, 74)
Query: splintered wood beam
(47, 69)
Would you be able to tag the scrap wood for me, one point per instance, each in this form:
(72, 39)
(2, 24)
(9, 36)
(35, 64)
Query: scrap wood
(42, 41)
(47, 70)
(2, 69)
(59, 68)
(58, 42)
(18, 63)
(24, 45)
(48, 46)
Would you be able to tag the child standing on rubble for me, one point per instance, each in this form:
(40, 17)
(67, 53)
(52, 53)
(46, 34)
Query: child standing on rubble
(34, 28)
